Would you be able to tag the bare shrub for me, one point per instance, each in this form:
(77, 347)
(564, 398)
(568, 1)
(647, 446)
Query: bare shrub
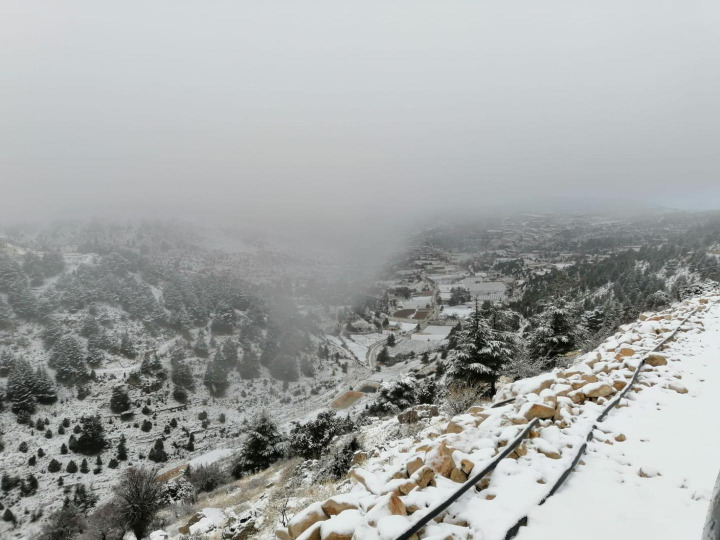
(138, 497)
(460, 397)
(207, 477)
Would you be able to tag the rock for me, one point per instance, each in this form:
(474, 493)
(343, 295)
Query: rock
(341, 527)
(679, 388)
(620, 438)
(367, 479)
(416, 413)
(282, 533)
(596, 390)
(359, 457)
(458, 476)
(240, 530)
(414, 464)
(335, 505)
(656, 360)
(312, 532)
(454, 427)
(648, 472)
(423, 476)
(626, 351)
(305, 519)
(466, 466)
(388, 505)
(440, 459)
(619, 385)
(185, 529)
(537, 410)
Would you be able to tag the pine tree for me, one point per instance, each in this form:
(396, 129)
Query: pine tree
(201, 346)
(84, 466)
(6, 362)
(67, 359)
(92, 438)
(216, 377)
(122, 449)
(127, 347)
(553, 334)
(182, 375)
(263, 446)
(45, 391)
(249, 366)
(119, 401)
(54, 466)
(480, 352)
(157, 453)
(21, 387)
(71, 467)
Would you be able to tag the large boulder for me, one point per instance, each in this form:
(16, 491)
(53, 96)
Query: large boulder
(305, 519)
(537, 410)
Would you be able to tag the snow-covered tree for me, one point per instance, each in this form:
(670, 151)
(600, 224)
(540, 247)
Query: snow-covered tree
(553, 334)
(21, 386)
(67, 358)
(249, 365)
(119, 401)
(263, 446)
(480, 352)
(45, 391)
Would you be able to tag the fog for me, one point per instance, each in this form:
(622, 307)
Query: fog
(334, 113)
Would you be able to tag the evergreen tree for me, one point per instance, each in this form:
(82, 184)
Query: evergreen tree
(157, 453)
(21, 387)
(84, 466)
(182, 375)
(553, 334)
(306, 366)
(480, 352)
(45, 391)
(95, 356)
(119, 401)
(249, 366)
(263, 446)
(216, 377)
(127, 347)
(54, 466)
(592, 321)
(201, 346)
(122, 449)
(6, 362)
(72, 467)
(284, 367)
(67, 359)
(92, 437)
(383, 356)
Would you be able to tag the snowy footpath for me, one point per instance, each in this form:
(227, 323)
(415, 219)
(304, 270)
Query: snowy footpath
(656, 483)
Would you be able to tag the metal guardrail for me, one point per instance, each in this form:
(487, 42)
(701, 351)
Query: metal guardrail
(418, 525)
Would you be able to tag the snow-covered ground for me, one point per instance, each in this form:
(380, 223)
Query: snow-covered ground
(636, 466)
(659, 481)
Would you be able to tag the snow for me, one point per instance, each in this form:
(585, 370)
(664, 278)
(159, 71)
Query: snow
(669, 439)
(211, 518)
(519, 483)
(211, 457)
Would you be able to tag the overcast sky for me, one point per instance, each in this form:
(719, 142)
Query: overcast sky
(310, 110)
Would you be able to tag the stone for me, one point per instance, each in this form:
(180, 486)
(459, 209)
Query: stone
(312, 533)
(679, 388)
(418, 412)
(458, 476)
(334, 505)
(656, 360)
(454, 427)
(307, 518)
(414, 464)
(466, 466)
(620, 438)
(597, 390)
(619, 385)
(423, 476)
(440, 459)
(282, 533)
(389, 504)
(538, 410)
(359, 457)
(626, 351)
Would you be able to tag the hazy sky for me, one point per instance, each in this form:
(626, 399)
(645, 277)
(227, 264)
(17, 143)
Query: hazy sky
(354, 110)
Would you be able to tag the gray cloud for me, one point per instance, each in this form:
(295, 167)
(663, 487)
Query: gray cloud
(315, 111)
